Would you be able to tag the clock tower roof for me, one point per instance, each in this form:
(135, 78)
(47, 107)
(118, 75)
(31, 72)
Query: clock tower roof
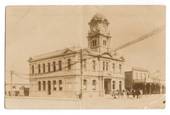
(98, 18)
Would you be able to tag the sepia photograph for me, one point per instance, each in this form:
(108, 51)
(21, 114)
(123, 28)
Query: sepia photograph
(85, 57)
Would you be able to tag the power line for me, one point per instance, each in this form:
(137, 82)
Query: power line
(141, 38)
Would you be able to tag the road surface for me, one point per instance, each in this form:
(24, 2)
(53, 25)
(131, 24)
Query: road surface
(145, 102)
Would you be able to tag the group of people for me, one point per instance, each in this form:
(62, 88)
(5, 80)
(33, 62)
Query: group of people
(134, 93)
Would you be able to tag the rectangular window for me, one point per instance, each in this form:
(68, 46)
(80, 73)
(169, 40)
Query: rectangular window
(84, 64)
(49, 67)
(60, 65)
(43, 68)
(39, 85)
(113, 84)
(103, 65)
(44, 85)
(120, 85)
(32, 68)
(107, 66)
(113, 67)
(120, 68)
(94, 65)
(60, 85)
(39, 68)
(54, 85)
(85, 84)
(94, 43)
(54, 66)
(69, 64)
(94, 84)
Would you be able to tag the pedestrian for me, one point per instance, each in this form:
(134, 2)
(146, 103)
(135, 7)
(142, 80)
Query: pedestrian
(137, 93)
(114, 94)
(133, 93)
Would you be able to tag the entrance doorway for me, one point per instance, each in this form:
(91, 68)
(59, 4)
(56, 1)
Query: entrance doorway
(107, 86)
(49, 87)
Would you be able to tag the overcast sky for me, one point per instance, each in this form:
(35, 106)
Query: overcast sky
(36, 30)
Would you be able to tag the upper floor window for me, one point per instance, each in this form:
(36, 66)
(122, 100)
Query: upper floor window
(69, 64)
(113, 66)
(103, 65)
(107, 66)
(94, 65)
(84, 63)
(104, 42)
(120, 67)
(54, 66)
(32, 68)
(94, 42)
(49, 67)
(60, 65)
(39, 68)
(43, 68)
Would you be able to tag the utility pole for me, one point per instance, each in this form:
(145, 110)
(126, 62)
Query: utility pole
(81, 72)
(11, 81)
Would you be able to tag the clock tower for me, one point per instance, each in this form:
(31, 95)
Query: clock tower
(99, 36)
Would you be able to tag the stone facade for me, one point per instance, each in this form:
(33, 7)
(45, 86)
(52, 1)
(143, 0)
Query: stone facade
(71, 72)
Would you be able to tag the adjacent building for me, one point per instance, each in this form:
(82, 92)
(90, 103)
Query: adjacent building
(142, 79)
(71, 72)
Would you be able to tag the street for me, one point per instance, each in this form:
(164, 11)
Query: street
(145, 102)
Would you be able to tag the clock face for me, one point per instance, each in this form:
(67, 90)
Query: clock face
(100, 27)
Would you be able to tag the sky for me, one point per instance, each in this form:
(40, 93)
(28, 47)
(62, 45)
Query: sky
(31, 31)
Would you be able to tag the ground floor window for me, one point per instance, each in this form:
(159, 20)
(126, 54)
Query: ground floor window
(39, 85)
(54, 85)
(94, 84)
(113, 84)
(44, 85)
(85, 84)
(120, 85)
(60, 85)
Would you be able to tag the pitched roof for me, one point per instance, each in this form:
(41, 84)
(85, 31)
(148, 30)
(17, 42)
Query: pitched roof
(67, 51)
